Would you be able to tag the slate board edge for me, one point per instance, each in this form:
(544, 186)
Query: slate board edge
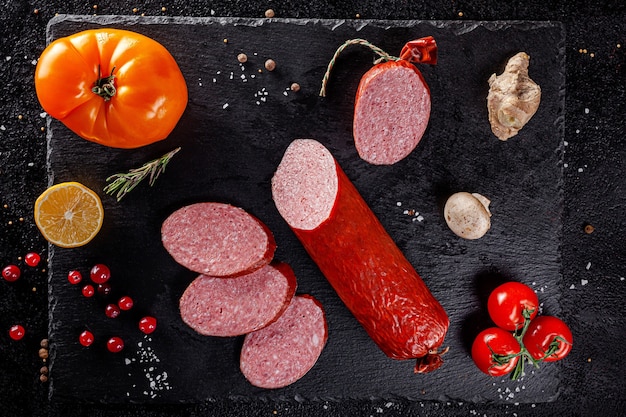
(463, 27)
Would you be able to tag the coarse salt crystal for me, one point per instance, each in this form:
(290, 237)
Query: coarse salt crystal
(588, 266)
(225, 105)
(584, 282)
(586, 110)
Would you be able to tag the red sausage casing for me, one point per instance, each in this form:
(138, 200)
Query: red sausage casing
(358, 257)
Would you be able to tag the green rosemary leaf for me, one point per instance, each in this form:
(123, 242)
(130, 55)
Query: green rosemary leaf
(124, 183)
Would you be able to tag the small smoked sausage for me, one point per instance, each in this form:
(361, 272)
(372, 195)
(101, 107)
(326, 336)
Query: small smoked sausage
(358, 257)
(283, 352)
(228, 307)
(217, 239)
(391, 112)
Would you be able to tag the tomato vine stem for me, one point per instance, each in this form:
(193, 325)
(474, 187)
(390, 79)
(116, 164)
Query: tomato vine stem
(104, 86)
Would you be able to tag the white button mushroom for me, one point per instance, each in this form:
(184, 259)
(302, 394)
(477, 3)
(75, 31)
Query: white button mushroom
(468, 215)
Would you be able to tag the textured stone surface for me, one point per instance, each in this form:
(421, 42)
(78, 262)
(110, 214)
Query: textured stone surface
(592, 290)
(233, 134)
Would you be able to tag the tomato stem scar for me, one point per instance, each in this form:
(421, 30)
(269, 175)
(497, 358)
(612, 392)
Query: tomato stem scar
(104, 86)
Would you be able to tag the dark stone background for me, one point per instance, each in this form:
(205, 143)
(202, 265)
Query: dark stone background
(593, 264)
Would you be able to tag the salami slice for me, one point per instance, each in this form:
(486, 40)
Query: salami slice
(358, 257)
(217, 239)
(391, 112)
(283, 352)
(235, 306)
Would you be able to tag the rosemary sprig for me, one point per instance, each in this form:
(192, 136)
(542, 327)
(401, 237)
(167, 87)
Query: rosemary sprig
(124, 183)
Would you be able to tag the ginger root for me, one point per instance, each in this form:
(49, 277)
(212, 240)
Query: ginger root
(513, 98)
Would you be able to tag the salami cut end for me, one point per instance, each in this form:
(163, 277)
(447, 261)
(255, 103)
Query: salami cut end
(309, 172)
(228, 307)
(391, 112)
(217, 239)
(283, 352)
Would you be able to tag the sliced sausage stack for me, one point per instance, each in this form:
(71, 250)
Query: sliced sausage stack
(241, 291)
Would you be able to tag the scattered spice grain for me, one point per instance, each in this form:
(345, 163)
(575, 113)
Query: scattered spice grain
(270, 65)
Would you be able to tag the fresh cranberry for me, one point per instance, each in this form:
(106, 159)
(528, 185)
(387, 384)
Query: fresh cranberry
(125, 303)
(147, 324)
(16, 332)
(104, 289)
(86, 338)
(74, 277)
(100, 273)
(88, 291)
(32, 259)
(11, 273)
(112, 311)
(115, 344)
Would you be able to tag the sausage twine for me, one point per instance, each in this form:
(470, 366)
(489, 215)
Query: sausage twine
(384, 56)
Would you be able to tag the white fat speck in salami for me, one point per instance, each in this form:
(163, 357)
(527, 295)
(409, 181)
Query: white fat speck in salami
(287, 349)
(312, 182)
(217, 239)
(228, 307)
(391, 112)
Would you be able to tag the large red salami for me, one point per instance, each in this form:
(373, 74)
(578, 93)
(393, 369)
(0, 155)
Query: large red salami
(358, 257)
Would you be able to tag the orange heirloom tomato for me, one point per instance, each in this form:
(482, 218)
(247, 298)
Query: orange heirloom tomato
(113, 87)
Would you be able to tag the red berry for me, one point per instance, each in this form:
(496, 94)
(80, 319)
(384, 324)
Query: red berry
(112, 311)
(88, 291)
(16, 332)
(32, 259)
(100, 273)
(115, 344)
(86, 338)
(147, 324)
(74, 277)
(104, 289)
(125, 303)
(11, 273)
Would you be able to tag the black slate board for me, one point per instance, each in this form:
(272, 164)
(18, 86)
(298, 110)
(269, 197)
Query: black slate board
(233, 133)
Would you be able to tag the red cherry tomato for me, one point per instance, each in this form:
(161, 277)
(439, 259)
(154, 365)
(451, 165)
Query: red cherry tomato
(548, 338)
(508, 301)
(495, 351)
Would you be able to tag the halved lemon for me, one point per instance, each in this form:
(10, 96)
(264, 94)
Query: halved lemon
(69, 214)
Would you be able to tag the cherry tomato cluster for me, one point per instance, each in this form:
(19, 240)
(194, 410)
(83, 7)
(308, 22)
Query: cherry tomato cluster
(99, 276)
(520, 334)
